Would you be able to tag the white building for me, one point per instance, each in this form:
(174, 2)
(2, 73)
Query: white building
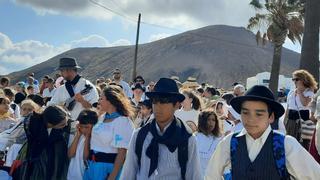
(263, 79)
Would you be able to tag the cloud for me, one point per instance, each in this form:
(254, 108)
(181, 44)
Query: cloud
(155, 37)
(174, 13)
(5, 42)
(90, 41)
(17, 56)
(121, 42)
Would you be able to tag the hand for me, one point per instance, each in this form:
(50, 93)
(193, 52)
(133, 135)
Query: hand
(78, 97)
(87, 134)
(313, 119)
(78, 132)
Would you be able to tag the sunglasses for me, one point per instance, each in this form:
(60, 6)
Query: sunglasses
(295, 79)
(116, 73)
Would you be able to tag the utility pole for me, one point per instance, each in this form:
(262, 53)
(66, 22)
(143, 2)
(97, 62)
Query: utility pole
(134, 72)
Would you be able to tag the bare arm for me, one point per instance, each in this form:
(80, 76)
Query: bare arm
(79, 98)
(118, 163)
(73, 148)
(86, 150)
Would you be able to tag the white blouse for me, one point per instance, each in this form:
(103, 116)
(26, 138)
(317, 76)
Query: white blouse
(294, 102)
(108, 136)
(206, 146)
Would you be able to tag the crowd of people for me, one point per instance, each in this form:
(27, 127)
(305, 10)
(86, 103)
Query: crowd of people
(66, 127)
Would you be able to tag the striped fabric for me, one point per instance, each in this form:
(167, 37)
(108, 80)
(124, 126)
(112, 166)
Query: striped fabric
(307, 129)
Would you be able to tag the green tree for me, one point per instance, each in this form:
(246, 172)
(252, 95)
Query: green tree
(278, 19)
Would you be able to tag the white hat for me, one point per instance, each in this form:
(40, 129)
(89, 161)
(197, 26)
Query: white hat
(234, 113)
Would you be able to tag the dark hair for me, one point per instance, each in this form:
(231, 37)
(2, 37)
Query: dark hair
(19, 97)
(200, 90)
(115, 95)
(4, 99)
(269, 108)
(147, 103)
(54, 115)
(88, 116)
(30, 87)
(203, 123)
(196, 104)
(228, 97)
(8, 92)
(37, 99)
(165, 99)
(50, 80)
(211, 90)
(4, 80)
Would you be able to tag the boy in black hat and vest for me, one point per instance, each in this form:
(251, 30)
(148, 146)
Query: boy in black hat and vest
(257, 152)
(76, 87)
(164, 148)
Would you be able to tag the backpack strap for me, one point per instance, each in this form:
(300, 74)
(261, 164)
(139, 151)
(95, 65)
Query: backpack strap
(233, 148)
(279, 154)
(142, 134)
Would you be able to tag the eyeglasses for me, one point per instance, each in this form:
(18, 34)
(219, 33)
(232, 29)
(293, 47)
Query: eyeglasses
(116, 73)
(295, 79)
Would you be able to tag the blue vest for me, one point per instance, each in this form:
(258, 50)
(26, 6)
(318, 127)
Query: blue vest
(269, 163)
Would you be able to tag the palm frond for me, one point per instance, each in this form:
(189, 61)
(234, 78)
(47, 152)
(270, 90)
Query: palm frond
(256, 4)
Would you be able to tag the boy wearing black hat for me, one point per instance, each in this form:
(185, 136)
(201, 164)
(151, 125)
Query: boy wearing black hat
(257, 152)
(165, 147)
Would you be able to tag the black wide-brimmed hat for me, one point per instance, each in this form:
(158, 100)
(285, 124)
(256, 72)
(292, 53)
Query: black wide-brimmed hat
(259, 93)
(166, 87)
(138, 86)
(68, 63)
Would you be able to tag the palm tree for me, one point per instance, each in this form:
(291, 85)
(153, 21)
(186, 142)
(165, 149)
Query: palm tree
(279, 19)
(310, 45)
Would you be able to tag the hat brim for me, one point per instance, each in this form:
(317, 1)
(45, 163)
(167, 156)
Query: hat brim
(68, 67)
(180, 97)
(276, 107)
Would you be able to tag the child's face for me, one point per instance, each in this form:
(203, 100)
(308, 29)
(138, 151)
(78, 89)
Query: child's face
(145, 111)
(219, 110)
(255, 117)
(211, 122)
(4, 106)
(26, 109)
(85, 128)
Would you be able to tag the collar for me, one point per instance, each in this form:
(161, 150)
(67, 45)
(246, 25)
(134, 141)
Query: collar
(165, 128)
(262, 138)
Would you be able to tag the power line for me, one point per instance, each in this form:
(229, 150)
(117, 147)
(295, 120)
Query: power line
(129, 18)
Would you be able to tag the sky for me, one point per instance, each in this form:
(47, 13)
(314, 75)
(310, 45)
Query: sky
(32, 31)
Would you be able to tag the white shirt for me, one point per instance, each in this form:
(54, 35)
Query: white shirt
(168, 164)
(126, 88)
(76, 166)
(228, 126)
(61, 95)
(107, 137)
(48, 93)
(299, 163)
(294, 101)
(206, 146)
(186, 116)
